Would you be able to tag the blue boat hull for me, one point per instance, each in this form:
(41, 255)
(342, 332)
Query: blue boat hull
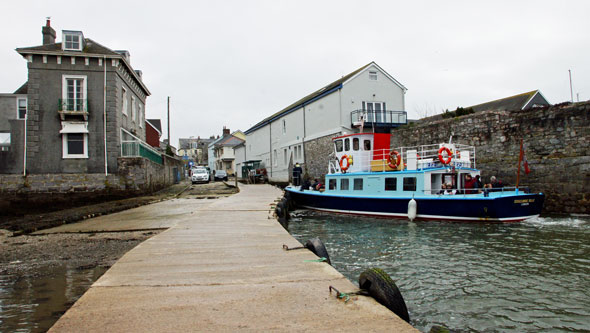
(499, 208)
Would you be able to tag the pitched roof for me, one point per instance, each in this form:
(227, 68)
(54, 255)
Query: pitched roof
(185, 143)
(229, 141)
(23, 90)
(156, 123)
(326, 90)
(91, 48)
(516, 102)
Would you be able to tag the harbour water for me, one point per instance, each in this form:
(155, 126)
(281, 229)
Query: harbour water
(34, 303)
(520, 277)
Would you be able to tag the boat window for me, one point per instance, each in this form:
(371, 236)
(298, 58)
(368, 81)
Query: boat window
(355, 144)
(344, 184)
(347, 144)
(338, 144)
(358, 184)
(409, 183)
(367, 144)
(390, 184)
(332, 184)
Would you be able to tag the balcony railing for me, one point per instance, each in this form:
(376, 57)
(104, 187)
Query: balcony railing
(73, 107)
(384, 118)
(140, 149)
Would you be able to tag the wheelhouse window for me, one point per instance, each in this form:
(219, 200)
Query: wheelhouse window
(390, 184)
(409, 183)
(347, 144)
(344, 184)
(21, 108)
(332, 184)
(355, 144)
(367, 144)
(358, 184)
(338, 145)
(74, 92)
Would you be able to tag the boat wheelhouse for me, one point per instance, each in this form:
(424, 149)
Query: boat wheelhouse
(367, 177)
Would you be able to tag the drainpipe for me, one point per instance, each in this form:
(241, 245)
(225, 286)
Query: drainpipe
(25, 143)
(104, 115)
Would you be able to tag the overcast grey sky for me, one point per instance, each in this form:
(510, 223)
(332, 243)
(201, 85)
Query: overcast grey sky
(232, 63)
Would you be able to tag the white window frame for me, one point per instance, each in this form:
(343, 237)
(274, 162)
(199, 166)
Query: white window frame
(125, 104)
(64, 87)
(65, 42)
(373, 75)
(65, 154)
(284, 126)
(140, 115)
(18, 99)
(133, 108)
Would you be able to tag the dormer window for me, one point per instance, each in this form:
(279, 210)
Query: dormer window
(72, 40)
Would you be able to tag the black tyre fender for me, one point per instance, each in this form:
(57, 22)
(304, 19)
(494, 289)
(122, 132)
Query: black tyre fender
(316, 246)
(382, 288)
(280, 210)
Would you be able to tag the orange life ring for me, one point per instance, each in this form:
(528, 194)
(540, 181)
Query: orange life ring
(394, 159)
(449, 155)
(348, 163)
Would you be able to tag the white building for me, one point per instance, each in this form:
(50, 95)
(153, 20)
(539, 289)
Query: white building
(302, 131)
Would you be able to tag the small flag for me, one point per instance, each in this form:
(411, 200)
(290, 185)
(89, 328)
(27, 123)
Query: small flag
(527, 170)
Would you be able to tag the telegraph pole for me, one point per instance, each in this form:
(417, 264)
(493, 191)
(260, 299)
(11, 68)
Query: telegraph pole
(571, 90)
(169, 121)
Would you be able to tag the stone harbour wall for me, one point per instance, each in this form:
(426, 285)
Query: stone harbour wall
(557, 141)
(135, 176)
(317, 156)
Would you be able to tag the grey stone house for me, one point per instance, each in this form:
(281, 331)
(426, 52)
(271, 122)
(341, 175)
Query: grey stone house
(82, 107)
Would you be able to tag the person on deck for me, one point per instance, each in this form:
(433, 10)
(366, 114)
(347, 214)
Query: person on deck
(297, 171)
(469, 184)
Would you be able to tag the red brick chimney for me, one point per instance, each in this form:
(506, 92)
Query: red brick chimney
(225, 131)
(48, 33)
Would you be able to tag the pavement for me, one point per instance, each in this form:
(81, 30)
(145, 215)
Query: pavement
(219, 267)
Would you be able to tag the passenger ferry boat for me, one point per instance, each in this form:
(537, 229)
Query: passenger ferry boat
(366, 177)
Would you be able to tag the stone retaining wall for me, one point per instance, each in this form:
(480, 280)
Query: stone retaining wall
(36, 192)
(557, 143)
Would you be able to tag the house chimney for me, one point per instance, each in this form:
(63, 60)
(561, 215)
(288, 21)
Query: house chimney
(225, 131)
(48, 33)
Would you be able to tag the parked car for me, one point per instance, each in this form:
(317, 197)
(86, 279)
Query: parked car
(200, 175)
(220, 175)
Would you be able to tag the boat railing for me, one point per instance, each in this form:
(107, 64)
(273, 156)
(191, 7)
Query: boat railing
(473, 191)
(423, 157)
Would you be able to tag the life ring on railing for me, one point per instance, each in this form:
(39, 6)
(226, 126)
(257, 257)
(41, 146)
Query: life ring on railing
(449, 155)
(348, 162)
(394, 159)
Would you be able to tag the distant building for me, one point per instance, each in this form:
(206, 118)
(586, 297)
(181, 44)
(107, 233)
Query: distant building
(72, 87)
(221, 151)
(194, 149)
(522, 101)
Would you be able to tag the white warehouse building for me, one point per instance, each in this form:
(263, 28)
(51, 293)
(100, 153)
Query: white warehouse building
(302, 132)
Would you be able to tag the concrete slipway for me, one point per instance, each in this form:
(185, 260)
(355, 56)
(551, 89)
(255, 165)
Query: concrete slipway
(220, 267)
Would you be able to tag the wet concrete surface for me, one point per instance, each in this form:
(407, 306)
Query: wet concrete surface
(43, 274)
(221, 267)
